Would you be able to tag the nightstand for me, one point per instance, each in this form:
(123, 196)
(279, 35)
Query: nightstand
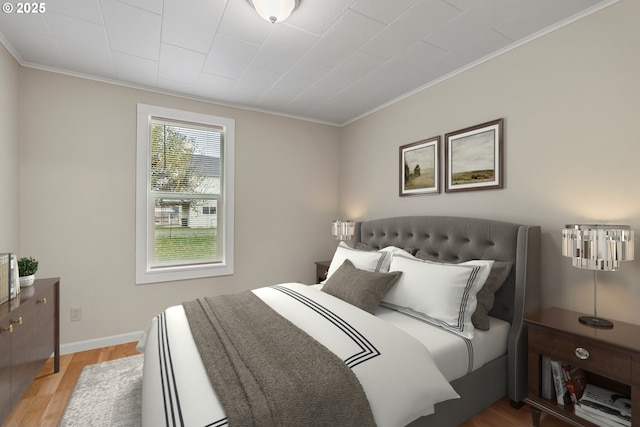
(610, 357)
(322, 268)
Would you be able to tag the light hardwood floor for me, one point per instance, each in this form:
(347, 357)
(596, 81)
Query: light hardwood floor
(46, 398)
(44, 402)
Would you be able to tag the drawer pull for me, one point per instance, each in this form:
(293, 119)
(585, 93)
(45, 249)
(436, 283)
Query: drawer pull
(582, 353)
(42, 301)
(9, 329)
(19, 321)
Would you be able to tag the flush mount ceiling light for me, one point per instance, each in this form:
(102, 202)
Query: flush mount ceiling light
(274, 10)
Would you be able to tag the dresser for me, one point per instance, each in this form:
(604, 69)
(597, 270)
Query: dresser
(610, 357)
(29, 335)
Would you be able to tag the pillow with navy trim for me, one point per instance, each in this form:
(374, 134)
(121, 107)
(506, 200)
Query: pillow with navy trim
(364, 247)
(363, 260)
(364, 289)
(486, 296)
(441, 294)
(389, 252)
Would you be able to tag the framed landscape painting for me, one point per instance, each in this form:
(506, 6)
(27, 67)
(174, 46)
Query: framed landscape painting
(420, 167)
(473, 158)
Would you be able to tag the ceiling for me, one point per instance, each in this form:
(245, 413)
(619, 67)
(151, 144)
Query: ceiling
(332, 61)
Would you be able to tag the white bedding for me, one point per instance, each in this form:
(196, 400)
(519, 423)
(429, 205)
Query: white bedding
(398, 373)
(454, 355)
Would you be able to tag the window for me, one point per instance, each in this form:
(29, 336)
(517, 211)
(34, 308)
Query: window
(184, 195)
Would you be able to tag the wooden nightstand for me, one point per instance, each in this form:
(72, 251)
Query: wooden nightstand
(612, 359)
(322, 268)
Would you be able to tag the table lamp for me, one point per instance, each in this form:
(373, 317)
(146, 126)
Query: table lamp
(343, 230)
(598, 248)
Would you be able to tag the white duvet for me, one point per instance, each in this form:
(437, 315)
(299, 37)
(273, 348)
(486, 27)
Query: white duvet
(397, 372)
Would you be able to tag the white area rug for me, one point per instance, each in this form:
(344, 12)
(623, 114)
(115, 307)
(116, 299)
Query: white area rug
(106, 394)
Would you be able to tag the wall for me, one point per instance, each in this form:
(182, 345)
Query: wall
(9, 163)
(571, 104)
(78, 146)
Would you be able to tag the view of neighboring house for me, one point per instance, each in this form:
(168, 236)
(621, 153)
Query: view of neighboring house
(202, 213)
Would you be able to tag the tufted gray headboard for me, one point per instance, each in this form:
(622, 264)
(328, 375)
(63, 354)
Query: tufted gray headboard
(461, 239)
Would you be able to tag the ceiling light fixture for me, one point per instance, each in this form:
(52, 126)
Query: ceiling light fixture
(274, 10)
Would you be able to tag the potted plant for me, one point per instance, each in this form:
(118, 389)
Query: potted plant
(27, 268)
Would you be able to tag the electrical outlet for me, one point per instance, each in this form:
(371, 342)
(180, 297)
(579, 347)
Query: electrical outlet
(75, 314)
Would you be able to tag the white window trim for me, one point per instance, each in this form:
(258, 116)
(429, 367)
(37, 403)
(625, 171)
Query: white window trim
(144, 210)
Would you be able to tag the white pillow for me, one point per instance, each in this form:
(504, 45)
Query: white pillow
(363, 260)
(441, 294)
(391, 251)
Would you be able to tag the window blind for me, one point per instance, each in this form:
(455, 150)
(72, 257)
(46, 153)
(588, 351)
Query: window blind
(185, 182)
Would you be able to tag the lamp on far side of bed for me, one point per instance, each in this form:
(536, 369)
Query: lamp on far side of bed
(598, 248)
(343, 230)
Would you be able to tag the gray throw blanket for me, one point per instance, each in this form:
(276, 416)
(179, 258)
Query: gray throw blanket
(268, 372)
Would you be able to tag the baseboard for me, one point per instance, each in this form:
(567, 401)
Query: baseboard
(75, 347)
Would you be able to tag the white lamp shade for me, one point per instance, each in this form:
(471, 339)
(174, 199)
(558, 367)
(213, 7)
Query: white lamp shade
(597, 247)
(343, 230)
(274, 10)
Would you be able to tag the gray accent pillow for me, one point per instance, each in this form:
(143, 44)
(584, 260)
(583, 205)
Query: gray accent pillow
(364, 289)
(486, 295)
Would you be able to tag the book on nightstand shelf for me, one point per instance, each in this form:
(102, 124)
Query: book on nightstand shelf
(595, 419)
(559, 381)
(576, 380)
(607, 407)
(548, 389)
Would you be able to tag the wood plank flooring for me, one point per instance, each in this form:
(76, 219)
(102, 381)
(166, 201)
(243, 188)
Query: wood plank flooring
(43, 403)
(46, 398)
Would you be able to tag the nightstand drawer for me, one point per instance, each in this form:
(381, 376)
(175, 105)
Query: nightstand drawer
(586, 353)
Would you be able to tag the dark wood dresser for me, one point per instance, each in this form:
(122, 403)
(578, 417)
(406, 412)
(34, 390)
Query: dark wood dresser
(29, 335)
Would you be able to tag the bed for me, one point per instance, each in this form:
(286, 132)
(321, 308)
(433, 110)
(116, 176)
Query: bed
(406, 379)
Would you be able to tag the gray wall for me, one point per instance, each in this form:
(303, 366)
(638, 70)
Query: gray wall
(77, 179)
(571, 104)
(9, 149)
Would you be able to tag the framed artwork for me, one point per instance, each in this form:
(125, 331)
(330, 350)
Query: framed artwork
(420, 167)
(473, 158)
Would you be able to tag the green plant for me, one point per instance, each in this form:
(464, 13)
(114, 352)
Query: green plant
(27, 266)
